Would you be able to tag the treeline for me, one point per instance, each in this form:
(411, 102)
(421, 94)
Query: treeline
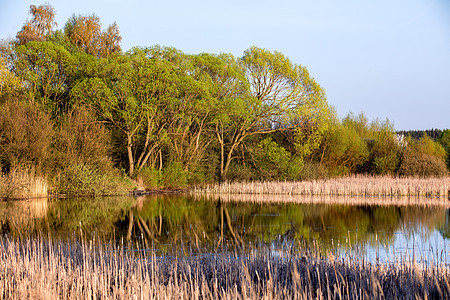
(434, 134)
(77, 110)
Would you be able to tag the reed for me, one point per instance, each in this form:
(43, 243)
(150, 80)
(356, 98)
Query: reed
(340, 200)
(347, 186)
(45, 269)
(22, 183)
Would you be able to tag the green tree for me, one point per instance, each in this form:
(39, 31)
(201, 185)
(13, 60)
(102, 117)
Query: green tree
(384, 149)
(280, 96)
(46, 69)
(342, 150)
(133, 98)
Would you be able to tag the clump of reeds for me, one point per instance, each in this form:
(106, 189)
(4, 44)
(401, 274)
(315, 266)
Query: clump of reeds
(347, 186)
(22, 183)
(341, 200)
(38, 268)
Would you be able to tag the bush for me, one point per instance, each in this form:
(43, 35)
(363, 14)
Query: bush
(26, 133)
(272, 160)
(423, 158)
(174, 176)
(384, 153)
(85, 180)
(82, 140)
(150, 177)
(423, 165)
(240, 172)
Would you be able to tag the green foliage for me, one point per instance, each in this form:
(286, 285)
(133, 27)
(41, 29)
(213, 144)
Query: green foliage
(85, 180)
(173, 175)
(385, 153)
(444, 141)
(150, 177)
(343, 151)
(241, 172)
(272, 159)
(46, 67)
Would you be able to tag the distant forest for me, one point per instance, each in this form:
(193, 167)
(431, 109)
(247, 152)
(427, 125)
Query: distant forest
(434, 134)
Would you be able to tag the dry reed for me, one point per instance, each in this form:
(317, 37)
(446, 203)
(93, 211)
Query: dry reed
(340, 200)
(41, 269)
(22, 183)
(347, 186)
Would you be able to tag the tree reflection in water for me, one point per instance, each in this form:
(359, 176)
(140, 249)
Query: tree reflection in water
(180, 223)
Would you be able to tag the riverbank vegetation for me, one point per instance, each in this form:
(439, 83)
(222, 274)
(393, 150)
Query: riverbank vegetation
(39, 268)
(90, 119)
(346, 186)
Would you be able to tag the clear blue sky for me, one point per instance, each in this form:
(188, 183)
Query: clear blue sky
(386, 58)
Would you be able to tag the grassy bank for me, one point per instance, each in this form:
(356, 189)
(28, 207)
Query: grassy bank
(346, 186)
(41, 270)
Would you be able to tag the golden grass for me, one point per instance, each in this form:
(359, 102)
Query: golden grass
(39, 269)
(22, 183)
(347, 186)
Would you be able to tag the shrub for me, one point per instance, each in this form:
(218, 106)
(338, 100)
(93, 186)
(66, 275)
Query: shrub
(149, 177)
(343, 151)
(174, 176)
(26, 133)
(80, 140)
(85, 180)
(241, 172)
(271, 159)
(423, 158)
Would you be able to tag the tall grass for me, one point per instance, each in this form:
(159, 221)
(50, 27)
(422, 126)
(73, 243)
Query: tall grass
(22, 183)
(347, 186)
(42, 269)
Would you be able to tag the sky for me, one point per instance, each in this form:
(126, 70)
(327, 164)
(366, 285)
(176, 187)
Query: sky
(385, 58)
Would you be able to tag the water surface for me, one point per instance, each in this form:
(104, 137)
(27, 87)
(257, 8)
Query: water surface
(182, 224)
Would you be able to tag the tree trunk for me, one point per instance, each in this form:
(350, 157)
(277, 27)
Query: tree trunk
(130, 156)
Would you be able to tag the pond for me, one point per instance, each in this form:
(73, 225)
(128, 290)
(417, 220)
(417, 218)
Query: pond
(176, 224)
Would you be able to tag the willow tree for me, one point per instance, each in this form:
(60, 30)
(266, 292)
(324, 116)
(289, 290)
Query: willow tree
(280, 96)
(46, 70)
(132, 97)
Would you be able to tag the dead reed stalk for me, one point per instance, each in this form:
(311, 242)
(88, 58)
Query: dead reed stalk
(22, 183)
(45, 269)
(347, 186)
